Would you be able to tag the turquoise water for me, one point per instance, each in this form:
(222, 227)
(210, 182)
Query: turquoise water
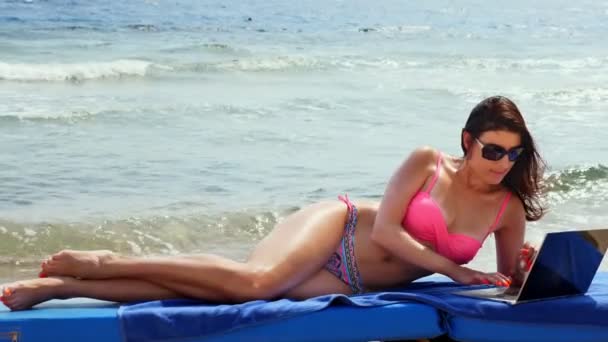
(157, 127)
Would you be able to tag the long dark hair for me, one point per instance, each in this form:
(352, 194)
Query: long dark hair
(526, 176)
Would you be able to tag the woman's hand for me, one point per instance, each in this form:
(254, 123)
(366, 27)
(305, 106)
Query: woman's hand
(467, 276)
(526, 257)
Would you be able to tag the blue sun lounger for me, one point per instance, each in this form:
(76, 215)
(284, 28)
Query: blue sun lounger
(425, 310)
(92, 321)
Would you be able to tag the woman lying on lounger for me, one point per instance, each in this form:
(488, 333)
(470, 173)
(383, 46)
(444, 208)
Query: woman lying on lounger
(433, 218)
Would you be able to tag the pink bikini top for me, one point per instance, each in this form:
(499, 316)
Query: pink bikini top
(424, 221)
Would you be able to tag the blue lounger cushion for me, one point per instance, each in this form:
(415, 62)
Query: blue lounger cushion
(82, 319)
(344, 324)
(424, 309)
(325, 318)
(578, 318)
(480, 330)
(187, 319)
(77, 319)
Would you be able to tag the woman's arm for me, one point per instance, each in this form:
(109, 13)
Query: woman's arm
(510, 240)
(388, 232)
(510, 237)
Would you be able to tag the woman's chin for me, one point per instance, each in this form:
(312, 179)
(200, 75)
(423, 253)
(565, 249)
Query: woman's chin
(495, 180)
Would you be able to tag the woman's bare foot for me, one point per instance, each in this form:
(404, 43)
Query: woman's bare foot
(77, 264)
(24, 294)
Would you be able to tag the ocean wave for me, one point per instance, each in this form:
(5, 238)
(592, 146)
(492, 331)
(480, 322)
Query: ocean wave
(576, 178)
(527, 64)
(168, 231)
(240, 60)
(218, 48)
(389, 63)
(24, 242)
(295, 63)
(570, 97)
(60, 114)
(573, 97)
(74, 72)
(588, 183)
(258, 65)
(356, 62)
(72, 116)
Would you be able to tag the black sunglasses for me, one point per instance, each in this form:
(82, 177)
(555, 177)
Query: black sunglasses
(496, 152)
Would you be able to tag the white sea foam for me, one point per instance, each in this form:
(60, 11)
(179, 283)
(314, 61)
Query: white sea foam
(73, 72)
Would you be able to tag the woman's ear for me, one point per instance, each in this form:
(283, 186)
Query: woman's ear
(466, 141)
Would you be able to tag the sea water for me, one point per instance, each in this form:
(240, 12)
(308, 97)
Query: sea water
(167, 127)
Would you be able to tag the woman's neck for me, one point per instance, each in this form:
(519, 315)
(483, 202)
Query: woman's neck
(466, 177)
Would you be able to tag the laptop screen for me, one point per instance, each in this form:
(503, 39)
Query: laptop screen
(566, 264)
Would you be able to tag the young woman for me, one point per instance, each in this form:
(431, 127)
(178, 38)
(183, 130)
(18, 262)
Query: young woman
(435, 214)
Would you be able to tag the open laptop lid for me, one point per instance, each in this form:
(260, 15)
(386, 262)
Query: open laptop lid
(565, 265)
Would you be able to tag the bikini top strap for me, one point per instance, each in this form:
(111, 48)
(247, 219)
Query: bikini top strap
(435, 175)
(503, 207)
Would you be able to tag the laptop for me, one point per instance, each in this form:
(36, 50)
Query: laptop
(564, 266)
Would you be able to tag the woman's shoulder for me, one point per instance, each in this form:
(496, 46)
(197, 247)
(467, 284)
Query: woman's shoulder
(425, 156)
(420, 164)
(515, 203)
(514, 211)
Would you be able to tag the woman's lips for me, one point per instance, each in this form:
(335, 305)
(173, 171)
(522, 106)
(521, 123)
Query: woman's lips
(498, 173)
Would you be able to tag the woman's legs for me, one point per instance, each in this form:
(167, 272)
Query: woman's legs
(295, 251)
(24, 294)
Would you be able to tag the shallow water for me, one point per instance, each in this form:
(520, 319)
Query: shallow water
(156, 128)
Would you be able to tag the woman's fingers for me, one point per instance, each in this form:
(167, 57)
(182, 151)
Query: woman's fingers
(497, 279)
(503, 280)
(477, 277)
(506, 281)
(526, 256)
